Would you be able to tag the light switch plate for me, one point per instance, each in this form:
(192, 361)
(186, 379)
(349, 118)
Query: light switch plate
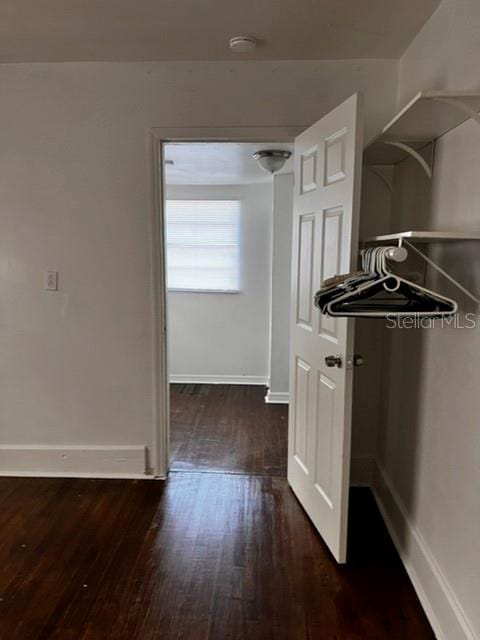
(51, 281)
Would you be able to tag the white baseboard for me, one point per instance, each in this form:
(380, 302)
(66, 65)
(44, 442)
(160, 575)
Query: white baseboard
(218, 379)
(277, 397)
(361, 471)
(74, 461)
(442, 608)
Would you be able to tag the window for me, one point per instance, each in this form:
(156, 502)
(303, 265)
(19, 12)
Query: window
(203, 245)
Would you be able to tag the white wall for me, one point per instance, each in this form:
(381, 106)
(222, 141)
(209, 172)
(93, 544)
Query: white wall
(76, 366)
(281, 276)
(444, 55)
(223, 336)
(430, 441)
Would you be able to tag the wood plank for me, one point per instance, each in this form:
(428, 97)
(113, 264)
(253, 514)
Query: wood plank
(202, 556)
(227, 428)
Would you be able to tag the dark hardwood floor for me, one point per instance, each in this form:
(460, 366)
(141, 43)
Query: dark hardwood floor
(227, 428)
(202, 556)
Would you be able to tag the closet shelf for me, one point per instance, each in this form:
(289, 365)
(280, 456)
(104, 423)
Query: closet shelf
(428, 116)
(423, 236)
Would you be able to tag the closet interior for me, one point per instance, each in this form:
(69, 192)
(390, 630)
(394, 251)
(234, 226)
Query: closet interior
(396, 211)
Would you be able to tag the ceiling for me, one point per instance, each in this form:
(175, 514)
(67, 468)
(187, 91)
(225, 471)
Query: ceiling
(216, 163)
(73, 30)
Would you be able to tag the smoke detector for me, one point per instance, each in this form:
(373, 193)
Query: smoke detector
(242, 44)
(272, 160)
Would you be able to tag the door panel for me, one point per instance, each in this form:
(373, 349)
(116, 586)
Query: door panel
(308, 170)
(305, 270)
(323, 462)
(335, 157)
(302, 391)
(327, 190)
(331, 252)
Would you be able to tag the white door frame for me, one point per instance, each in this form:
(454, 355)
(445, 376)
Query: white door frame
(160, 374)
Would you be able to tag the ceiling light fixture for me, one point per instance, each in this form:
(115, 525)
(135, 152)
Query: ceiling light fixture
(243, 44)
(272, 160)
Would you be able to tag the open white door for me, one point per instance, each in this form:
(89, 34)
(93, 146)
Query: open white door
(328, 159)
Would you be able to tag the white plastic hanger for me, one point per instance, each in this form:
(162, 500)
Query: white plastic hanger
(374, 262)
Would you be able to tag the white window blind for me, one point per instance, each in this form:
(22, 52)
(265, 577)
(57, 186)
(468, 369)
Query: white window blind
(203, 245)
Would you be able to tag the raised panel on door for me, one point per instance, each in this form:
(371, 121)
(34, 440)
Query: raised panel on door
(327, 190)
(331, 258)
(334, 160)
(308, 170)
(302, 392)
(306, 241)
(325, 412)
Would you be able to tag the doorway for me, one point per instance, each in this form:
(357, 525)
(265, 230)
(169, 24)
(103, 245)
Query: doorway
(329, 163)
(230, 502)
(221, 270)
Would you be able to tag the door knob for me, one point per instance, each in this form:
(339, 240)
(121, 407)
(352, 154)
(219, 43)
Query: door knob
(333, 361)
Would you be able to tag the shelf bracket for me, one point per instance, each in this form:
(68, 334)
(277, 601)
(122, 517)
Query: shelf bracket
(433, 264)
(412, 152)
(461, 106)
(375, 169)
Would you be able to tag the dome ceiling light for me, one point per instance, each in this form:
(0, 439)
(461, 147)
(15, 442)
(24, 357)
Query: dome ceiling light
(272, 160)
(243, 44)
